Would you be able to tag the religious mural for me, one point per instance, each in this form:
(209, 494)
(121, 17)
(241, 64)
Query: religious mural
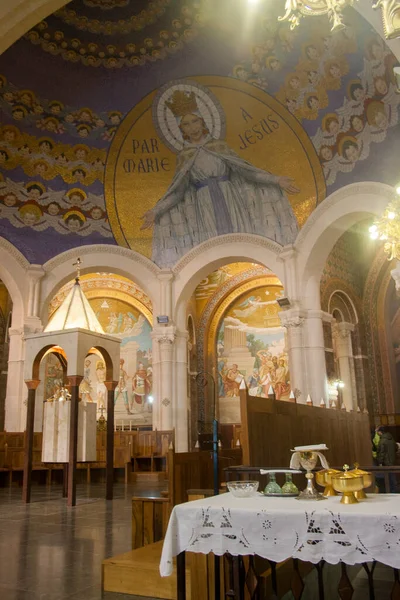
(131, 397)
(124, 311)
(251, 348)
(242, 134)
(214, 191)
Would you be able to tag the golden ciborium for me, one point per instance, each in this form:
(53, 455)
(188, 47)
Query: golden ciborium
(324, 479)
(347, 484)
(367, 479)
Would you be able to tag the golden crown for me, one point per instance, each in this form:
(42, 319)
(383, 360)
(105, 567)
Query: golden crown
(182, 103)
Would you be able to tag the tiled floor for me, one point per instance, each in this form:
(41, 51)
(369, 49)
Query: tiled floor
(50, 552)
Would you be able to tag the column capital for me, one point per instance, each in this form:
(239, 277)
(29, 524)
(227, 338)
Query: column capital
(166, 335)
(342, 330)
(111, 385)
(293, 318)
(36, 272)
(74, 379)
(165, 275)
(32, 384)
(287, 253)
(320, 314)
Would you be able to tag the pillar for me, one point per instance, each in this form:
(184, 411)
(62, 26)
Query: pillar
(293, 320)
(317, 384)
(344, 354)
(30, 420)
(15, 392)
(34, 274)
(74, 382)
(166, 357)
(181, 401)
(156, 391)
(110, 385)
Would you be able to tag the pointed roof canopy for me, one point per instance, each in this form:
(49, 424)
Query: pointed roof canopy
(75, 311)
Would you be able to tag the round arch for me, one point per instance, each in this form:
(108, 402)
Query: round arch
(213, 254)
(345, 306)
(122, 261)
(338, 213)
(18, 16)
(13, 267)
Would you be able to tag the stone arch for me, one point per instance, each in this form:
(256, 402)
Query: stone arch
(122, 261)
(324, 227)
(17, 17)
(342, 302)
(13, 267)
(214, 253)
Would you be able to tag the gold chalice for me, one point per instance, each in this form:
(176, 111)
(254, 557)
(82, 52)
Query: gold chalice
(367, 479)
(347, 484)
(324, 479)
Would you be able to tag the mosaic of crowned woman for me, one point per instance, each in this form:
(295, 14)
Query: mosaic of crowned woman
(214, 191)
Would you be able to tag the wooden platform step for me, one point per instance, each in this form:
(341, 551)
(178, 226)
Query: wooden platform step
(137, 573)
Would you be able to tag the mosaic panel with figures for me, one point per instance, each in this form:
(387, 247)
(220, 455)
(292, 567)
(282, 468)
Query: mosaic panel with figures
(251, 346)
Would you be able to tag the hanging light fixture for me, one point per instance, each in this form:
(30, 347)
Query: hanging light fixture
(296, 9)
(387, 228)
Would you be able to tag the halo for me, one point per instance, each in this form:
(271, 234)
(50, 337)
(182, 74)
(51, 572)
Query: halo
(209, 109)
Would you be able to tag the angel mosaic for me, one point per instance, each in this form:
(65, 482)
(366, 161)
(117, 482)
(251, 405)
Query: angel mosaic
(370, 109)
(45, 157)
(67, 211)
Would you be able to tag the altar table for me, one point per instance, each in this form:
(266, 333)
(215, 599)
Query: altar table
(281, 528)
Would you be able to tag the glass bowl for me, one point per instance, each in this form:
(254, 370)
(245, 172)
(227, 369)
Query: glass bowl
(243, 489)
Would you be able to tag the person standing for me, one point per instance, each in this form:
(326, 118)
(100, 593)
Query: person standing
(386, 454)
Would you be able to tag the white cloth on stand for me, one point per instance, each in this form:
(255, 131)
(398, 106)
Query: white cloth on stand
(280, 528)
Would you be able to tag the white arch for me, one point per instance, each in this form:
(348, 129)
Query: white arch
(13, 267)
(102, 257)
(214, 253)
(340, 211)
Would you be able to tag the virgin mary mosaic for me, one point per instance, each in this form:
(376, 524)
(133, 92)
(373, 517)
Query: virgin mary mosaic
(214, 191)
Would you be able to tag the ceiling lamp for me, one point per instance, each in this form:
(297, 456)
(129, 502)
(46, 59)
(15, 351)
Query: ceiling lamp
(387, 228)
(296, 9)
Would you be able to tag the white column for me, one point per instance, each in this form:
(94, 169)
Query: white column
(344, 354)
(35, 273)
(165, 278)
(181, 400)
(294, 320)
(156, 391)
(315, 355)
(165, 339)
(288, 256)
(16, 393)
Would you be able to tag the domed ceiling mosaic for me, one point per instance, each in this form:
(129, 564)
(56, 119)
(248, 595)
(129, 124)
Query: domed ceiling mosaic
(160, 125)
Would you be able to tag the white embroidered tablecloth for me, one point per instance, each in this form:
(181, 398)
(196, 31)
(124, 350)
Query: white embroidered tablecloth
(280, 528)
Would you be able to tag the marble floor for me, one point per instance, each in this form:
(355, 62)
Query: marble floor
(50, 552)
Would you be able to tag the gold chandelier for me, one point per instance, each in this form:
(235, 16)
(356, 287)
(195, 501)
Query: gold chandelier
(296, 9)
(387, 228)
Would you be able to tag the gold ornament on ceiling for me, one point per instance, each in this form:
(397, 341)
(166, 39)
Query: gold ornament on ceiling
(390, 17)
(333, 9)
(134, 23)
(387, 228)
(158, 45)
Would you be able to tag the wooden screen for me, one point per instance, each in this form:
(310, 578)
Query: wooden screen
(271, 428)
